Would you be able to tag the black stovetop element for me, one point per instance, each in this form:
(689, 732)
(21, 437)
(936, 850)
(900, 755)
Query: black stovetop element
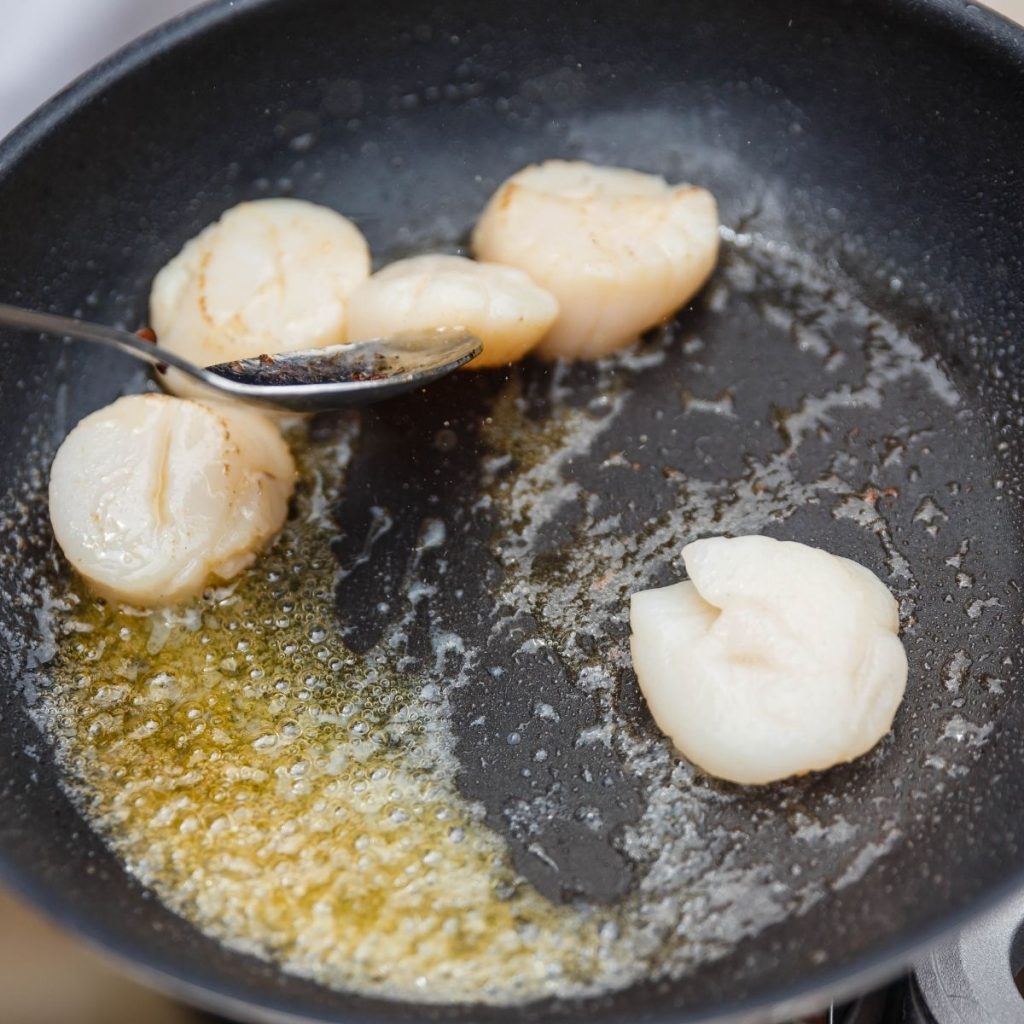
(899, 1003)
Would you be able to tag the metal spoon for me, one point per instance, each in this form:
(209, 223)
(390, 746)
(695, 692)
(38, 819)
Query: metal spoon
(306, 381)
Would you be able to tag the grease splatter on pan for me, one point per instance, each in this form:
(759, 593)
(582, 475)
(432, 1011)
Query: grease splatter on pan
(405, 754)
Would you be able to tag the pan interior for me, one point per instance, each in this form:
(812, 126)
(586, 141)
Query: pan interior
(481, 539)
(407, 757)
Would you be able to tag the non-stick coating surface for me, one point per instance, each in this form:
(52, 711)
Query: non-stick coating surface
(880, 136)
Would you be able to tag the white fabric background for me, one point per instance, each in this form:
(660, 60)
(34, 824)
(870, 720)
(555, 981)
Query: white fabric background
(44, 44)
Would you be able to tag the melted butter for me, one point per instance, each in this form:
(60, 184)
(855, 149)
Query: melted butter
(299, 803)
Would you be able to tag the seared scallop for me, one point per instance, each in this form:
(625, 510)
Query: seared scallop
(621, 251)
(500, 305)
(773, 659)
(273, 275)
(153, 497)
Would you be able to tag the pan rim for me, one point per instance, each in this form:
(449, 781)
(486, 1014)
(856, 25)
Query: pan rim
(837, 984)
(991, 33)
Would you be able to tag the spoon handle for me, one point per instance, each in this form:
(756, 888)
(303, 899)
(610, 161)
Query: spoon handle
(113, 337)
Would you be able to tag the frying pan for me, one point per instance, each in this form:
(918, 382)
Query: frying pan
(863, 328)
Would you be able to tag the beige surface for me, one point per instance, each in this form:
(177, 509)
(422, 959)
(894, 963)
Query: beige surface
(1011, 8)
(47, 977)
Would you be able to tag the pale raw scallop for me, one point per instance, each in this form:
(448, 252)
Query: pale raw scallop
(272, 275)
(154, 496)
(500, 305)
(772, 660)
(621, 251)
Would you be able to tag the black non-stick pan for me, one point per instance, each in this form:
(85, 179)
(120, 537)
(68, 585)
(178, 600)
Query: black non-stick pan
(851, 378)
